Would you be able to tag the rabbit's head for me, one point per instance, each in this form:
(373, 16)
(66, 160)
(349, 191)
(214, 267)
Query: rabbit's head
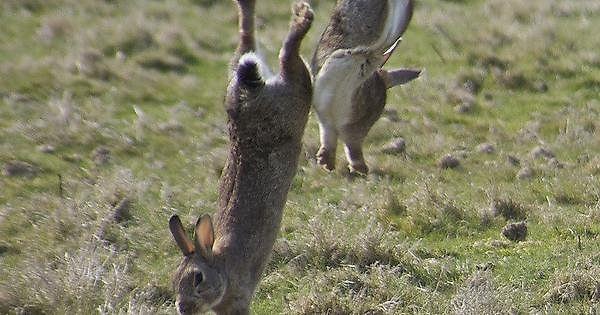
(198, 282)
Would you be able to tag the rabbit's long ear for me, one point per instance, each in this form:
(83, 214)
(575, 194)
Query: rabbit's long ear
(181, 239)
(402, 14)
(204, 237)
(399, 15)
(398, 76)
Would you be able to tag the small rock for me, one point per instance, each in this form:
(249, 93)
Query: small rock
(46, 148)
(19, 168)
(513, 160)
(525, 173)
(541, 151)
(101, 155)
(516, 232)
(396, 146)
(299, 262)
(555, 163)
(448, 161)
(282, 249)
(486, 148)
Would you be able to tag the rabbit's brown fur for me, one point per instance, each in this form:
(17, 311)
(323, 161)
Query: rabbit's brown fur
(266, 120)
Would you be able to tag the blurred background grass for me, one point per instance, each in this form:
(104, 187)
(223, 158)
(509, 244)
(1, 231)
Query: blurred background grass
(111, 120)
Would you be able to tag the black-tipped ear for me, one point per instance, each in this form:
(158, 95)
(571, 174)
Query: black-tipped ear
(181, 239)
(204, 237)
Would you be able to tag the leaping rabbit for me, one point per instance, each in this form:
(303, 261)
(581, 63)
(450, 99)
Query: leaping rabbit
(349, 82)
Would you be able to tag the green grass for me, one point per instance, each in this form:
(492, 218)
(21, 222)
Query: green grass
(146, 80)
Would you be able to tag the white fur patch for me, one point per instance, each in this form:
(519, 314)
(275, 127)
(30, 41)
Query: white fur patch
(334, 86)
(263, 68)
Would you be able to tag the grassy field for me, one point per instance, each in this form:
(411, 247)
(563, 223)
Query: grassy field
(111, 120)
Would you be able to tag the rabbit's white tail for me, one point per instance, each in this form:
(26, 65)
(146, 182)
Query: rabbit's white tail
(251, 70)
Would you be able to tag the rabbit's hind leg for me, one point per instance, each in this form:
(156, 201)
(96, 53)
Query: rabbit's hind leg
(326, 153)
(247, 42)
(354, 155)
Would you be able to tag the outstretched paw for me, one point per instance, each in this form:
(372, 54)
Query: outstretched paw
(303, 16)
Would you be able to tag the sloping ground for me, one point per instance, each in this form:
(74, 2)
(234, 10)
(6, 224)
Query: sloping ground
(111, 120)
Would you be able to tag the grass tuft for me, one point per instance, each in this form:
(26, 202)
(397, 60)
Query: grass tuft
(508, 209)
(479, 295)
(579, 284)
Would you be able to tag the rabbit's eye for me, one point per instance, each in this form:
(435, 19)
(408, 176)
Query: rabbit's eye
(198, 278)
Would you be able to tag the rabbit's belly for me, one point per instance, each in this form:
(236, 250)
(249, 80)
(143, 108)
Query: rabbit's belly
(333, 104)
(332, 96)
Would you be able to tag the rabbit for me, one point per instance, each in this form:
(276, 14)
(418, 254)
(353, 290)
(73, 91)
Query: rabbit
(266, 119)
(349, 82)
